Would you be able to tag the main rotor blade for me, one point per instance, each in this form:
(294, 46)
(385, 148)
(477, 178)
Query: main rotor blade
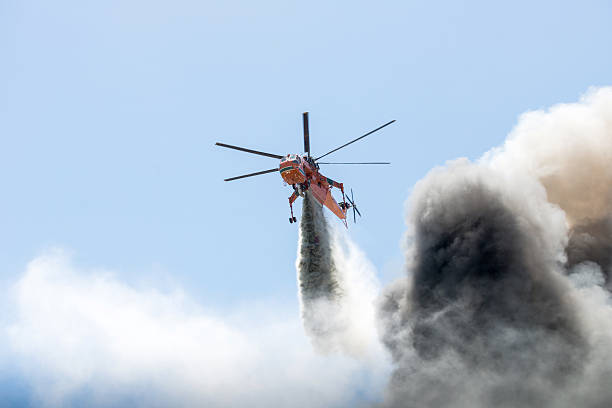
(306, 133)
(355, 163)
(242, 149)
(353, 141)
(251, 174)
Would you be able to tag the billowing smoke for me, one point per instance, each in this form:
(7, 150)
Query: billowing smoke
(84, 337)
(569, 150)
(337, 286)
(504, 301)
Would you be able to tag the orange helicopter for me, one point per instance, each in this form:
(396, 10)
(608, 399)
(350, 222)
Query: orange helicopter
(302, 173)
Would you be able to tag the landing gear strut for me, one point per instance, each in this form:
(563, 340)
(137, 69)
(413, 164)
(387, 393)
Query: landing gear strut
(293, 197)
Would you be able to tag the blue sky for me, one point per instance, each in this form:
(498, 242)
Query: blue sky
(109, 112)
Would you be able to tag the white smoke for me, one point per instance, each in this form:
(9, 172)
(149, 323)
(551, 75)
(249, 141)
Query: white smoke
(85, 338)
(568, 148)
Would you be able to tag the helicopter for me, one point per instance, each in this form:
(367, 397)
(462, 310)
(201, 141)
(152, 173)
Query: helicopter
(302, 172)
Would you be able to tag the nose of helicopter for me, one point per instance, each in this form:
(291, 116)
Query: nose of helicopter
(291, 171)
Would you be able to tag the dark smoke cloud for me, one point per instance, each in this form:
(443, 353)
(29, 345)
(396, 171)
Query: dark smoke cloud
(485, 309)
(504, 302)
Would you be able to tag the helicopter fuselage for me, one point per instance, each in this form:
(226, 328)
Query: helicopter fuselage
(303, 175)
(296, 170)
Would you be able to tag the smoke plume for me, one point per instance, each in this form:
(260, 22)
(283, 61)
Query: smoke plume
(569, 150)
(504, 302)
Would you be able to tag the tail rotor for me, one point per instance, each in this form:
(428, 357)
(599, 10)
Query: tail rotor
(355, 209)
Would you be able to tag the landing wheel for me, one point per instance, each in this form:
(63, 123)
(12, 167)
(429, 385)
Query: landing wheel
(290, 220)
(294, 219)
